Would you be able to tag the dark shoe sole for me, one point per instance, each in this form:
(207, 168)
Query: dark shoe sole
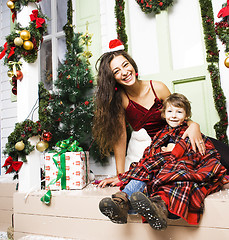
(149, 210)
(112, 211)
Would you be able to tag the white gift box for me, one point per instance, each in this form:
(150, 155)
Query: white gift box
(77, 170)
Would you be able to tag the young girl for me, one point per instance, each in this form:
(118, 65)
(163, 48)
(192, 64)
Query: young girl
(178, 179)
(122, 97)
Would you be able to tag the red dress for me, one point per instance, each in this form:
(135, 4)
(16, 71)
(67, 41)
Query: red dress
(140, 117)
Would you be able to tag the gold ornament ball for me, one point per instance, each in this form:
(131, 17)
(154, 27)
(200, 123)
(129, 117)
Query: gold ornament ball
(25, 35)
(10, 74)
(18, 41)
(41, 146)
(10, 4)
(226, 62)
(28, 45)
(46, 144)
(19, 146)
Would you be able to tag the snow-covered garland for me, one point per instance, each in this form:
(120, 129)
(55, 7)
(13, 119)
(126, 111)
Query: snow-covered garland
(155, 6)
(22, 42)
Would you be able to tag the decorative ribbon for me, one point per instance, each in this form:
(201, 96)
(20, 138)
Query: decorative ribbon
(34, 17)
(14, 15)
(224, 11)
(68, 145)
(13, 165)
(5, 49)
(14, 66)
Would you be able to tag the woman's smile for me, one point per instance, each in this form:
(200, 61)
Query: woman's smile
(123, 71)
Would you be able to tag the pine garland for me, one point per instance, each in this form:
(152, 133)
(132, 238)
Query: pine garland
(68, 28)
(19, 4)
(120, 24)
(222, 30)
(22, 132)
(213, 59)
(12, 51)
(156, 6)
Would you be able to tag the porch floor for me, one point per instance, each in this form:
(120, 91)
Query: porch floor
(74, 214)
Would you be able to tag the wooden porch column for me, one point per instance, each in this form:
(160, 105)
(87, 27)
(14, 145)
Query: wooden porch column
(27, 97)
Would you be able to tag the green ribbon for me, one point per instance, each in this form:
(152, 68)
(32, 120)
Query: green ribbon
(68, 145)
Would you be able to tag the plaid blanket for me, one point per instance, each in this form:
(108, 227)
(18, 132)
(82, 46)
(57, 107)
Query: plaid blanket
(181, 177)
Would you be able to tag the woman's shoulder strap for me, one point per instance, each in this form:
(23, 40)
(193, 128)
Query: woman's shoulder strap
(126, 93)
(151, 83)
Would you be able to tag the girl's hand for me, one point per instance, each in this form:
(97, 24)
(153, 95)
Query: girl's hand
(194, 134)
(111, 181)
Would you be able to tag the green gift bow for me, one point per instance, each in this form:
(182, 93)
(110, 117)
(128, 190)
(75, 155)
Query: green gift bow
(68, 145)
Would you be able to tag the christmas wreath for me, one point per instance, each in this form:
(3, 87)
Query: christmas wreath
(23, 42)
(155, 6)
(18, 145)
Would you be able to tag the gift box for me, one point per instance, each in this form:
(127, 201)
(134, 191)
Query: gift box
(69, 170)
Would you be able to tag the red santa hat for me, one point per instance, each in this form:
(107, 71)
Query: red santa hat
(115, 45)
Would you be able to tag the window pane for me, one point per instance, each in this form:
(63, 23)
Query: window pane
(62, 14)
(46, 10)
(61, 50)
(46, 65)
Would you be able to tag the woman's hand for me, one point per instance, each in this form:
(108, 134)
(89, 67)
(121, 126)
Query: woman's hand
(194, 134)
(111, 181)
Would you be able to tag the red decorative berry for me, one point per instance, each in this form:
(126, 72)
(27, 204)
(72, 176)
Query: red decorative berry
(47, 136)
(86, 103)
(160, 4)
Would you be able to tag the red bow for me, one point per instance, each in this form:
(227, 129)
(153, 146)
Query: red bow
(14, 165)
(33, 17)
(224, 11)
(14, 14)
(4, 51)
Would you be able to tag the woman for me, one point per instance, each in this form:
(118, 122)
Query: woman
(122, 96)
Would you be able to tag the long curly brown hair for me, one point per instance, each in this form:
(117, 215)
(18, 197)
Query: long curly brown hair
(107, 125)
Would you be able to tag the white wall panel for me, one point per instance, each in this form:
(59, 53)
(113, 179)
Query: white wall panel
(143, 39)
(8, 109)
(186, 34)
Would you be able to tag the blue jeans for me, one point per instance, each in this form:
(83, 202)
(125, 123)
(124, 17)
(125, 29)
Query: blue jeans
(134, 186)
(131, 187)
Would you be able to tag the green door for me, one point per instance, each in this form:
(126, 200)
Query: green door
(171, 44)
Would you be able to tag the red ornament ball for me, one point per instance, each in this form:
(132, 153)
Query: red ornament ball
(14, 90)
(86, 103)
(160, 4)
(47, 136)
(19, 75)
(14, 81)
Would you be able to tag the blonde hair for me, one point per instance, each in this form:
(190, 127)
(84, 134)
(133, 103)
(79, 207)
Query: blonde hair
(177, 100)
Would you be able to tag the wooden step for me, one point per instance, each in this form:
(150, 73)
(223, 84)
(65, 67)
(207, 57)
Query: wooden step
(7, 189)
(74, 214)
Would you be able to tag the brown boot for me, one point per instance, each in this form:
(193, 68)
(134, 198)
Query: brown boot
(152, 209)
(116, 207)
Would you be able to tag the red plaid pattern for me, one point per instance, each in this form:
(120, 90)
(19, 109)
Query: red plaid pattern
(182, 177)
